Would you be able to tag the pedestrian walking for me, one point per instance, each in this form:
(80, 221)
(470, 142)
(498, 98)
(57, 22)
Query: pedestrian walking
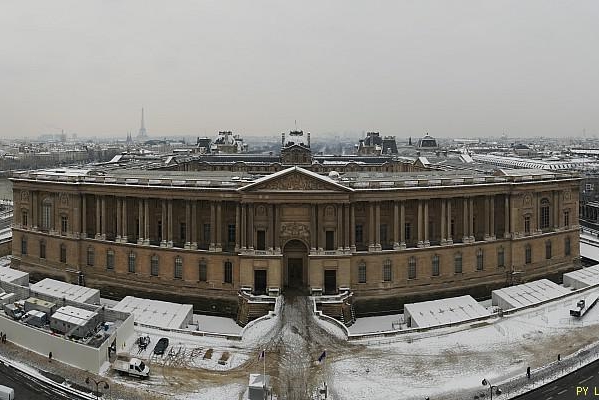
(50, 357)
(528, 372)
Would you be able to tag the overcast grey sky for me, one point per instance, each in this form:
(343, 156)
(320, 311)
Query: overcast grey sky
(452, 68)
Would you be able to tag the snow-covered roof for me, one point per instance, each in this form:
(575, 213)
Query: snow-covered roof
(259, 381)
(310, 174)
(444, 311)
(157, 313)
(589, 251)
(526, 294)
(68, 291)
(582, 277)
(13, 276)
(73, 315)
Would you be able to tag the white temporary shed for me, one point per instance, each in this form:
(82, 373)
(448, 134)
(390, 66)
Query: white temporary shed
(443, 311)
(157, 313)
(526, 294)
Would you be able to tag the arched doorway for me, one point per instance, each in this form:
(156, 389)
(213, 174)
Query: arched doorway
(295, 257)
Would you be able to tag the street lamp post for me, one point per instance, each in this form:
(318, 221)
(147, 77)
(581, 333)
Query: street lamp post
(88, 380)
(491, 387)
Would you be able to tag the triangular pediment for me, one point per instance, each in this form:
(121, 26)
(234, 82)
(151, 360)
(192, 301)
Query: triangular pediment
(295, 179)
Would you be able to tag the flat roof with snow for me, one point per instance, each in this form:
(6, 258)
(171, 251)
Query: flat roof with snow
(526, 294)
(14, 276)
(68, 291)
(74, 315)
(582, 278)
(443, 311)
(157, 313)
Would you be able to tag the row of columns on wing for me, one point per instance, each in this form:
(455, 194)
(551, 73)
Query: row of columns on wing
(356, 226)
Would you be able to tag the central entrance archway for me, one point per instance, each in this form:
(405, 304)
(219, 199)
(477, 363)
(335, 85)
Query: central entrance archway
(295, 256)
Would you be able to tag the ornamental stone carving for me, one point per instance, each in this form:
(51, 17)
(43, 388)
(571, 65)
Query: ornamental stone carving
(527, 200)
(24, 195)
(567, 195)
(64, 199)
(296, 182)
(294, 230)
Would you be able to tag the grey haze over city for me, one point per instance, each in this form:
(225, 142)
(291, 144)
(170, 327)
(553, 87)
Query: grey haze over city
(454, 69)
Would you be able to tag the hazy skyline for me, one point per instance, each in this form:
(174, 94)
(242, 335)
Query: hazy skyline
(454, 69)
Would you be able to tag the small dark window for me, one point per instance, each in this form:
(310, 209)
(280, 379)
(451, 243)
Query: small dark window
(359, 234)
(362, 272)
(24, 245)
(412, 268)
(435, 263)
(480, 260)
(548, 249)
(42, 249)
(231, 233)
(567, 247)
(154, 264)
(91, 256)
(203, 271)
(457, 263)
(109, 259)
(63, 253)
(178, 267)
(228, 272)
(387, 274)
(527, 254)
(501, 257)
(132, 262)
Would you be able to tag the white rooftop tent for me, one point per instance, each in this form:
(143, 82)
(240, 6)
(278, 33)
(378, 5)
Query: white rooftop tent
(14, 276)
(157, 313)
(582, 278)
(67, 291)
(526, 294)
(443, 311)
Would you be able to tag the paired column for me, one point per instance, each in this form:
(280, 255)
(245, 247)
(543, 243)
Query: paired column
(277, 228)
(219, 223)
(187, 225)
(146, 222)
(471, 218)
(250, 231)
(449, 235)
(194, 225)
(339, 233)
(427, 242)
(140, 221)
(352, 228)
(420, 228)
(119, 218)
(465, 224)
(347, 229)
(212, 226)
(98, 217)
(402, 225)
(124, 235)
(163, 225)
(506, 217)
(244, 226)
(169, 223)
(443, 222)
(271, 228)
(371, 226)
(83, 215)
(237, 226)
(377, 226)
(313, 228)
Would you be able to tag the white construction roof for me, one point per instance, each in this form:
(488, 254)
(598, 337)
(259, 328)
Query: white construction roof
(589, 251)
(74, 315)
(582, 278)
(14, 276)
(443, 311)
(526, 294)
(60, 290)
(157, 313)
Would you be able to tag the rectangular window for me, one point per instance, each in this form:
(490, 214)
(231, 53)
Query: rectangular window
(132, 262)
(527, 254)
(91, 257)
(527, 224)
(178, 267)
(261, 240)
(435, 265)
(63, 253)
(24, 245)
(359, 234)
(544, 216)
(154, 266)
(501, 257)
(183, 231)
(203, 271)
(42, 249)
(46, 216)
(408, 231)
(329, 240)
(24, 218)
(457, 263)
(567, 249)
(231, 233)
(64, 224)
(567, 219)
(452, 228)
(362, 272)
(207, 233)
(228, 272)
(109, 259)
(548, 250)
(479, 260)
(387, 271)
(588, 187)
(412, 268)
(159, 231)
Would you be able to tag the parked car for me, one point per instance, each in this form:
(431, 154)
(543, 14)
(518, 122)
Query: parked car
(161, 346)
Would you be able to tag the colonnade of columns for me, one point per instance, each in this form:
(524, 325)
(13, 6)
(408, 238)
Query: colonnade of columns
(339, 226)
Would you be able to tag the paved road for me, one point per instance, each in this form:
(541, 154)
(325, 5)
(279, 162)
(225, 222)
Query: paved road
(570, 387)
(26, 388)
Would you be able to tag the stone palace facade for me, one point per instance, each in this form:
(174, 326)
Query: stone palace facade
(200, 237)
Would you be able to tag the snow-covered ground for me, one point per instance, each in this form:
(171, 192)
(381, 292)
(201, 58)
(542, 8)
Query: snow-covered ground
(417, 365)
